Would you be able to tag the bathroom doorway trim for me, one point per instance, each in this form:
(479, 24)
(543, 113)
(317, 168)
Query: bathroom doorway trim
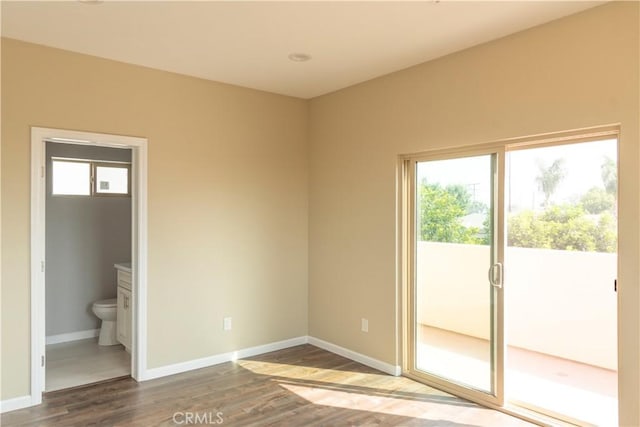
(39, 137)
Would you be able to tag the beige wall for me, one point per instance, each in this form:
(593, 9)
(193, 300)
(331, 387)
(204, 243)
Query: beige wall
(228, 181)
(576, 72)
(227, 199)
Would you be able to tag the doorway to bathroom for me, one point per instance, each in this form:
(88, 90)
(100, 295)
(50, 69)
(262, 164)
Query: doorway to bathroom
(87, 245)
(88, 259)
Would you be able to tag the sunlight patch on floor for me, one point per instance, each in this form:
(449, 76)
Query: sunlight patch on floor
(363, 402)
(302, 372)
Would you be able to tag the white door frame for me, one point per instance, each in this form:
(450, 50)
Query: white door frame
(138, 146)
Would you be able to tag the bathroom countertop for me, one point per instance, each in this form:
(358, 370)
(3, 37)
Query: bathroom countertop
(124, 266)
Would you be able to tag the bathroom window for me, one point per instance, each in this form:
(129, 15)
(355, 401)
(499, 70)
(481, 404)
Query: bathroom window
(111, 178)
(71, 178)
(76, 177)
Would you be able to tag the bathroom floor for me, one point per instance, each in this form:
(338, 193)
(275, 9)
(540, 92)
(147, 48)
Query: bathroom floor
(82, 362)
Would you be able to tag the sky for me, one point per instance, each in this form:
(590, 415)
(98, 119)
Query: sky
(582, 164)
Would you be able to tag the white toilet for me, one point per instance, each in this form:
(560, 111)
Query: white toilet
(106, 310)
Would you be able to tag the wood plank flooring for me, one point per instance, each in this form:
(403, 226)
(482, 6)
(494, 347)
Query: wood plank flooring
(299, 386)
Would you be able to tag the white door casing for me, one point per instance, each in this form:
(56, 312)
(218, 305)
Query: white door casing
(39, 138)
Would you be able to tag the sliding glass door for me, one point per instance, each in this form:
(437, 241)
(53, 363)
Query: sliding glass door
(456, 273)
(556, 225)
(562, 208)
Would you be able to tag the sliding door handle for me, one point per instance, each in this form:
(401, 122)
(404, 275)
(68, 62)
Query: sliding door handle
(495, 275)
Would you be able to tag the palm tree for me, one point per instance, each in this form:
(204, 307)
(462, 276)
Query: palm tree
(609, 173)
(549, 178)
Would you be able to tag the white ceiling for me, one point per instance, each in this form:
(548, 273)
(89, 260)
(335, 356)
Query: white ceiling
(247, 43)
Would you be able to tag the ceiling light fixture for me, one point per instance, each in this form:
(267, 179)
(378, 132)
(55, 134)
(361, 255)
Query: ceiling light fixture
(299, 57)
(90, 1)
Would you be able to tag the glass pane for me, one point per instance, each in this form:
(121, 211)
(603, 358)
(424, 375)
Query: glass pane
(71, 178)
(112, 179)
(453, 257)
(561, 327)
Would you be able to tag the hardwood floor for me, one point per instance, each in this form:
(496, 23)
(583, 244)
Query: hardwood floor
(299, 386)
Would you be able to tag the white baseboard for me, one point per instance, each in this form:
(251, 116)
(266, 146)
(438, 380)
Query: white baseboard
(72, 336)
(204, 362)
(149, 374)
(15, 403)
(357, 357)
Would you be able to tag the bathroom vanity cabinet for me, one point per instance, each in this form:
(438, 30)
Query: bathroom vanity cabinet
(123, 322)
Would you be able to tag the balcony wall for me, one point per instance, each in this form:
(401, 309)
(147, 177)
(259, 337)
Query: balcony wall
(560, 303)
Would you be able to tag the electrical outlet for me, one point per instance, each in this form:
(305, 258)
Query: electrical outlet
(226, 323)
(364, 325)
